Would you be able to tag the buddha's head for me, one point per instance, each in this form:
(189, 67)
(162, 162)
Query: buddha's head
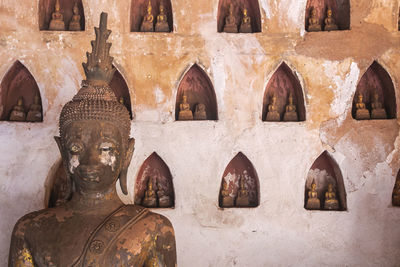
(376, 96)
(75, 9)
(57, 6)
(121, 100)
(230, 9)
(150, 184)
(291, 99)
(184, 98)
(273, 98)
(313, 12)
(161, 8)
(313, 186)
(245, 12)
(329, 13)
(360, 98)
(149, 8)
(94, 127)
(330, 188)
(20, 101)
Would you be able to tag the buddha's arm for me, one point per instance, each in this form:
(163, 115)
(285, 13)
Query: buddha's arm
(20, 255)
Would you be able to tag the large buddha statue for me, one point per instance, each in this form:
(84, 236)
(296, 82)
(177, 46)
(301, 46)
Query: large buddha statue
(313, 202)
(273, 113)
(377, 112)
(200, 112)
(185, 113)
(396, 193)
(227, 201)
(94, 228)
(57, 19)
(330, 24)
(162, 23)
(35, 110)
(18, 112)
(242, 199)
(75, 24)
(290, 110)
(150, 197)
(245, 26)
(362, 113)
(331, 202)
(148, 20)
(313, 22)
(230, 21)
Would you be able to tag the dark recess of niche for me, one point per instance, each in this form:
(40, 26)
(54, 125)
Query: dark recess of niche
(196, 85)
(139, 10)
(252, 8)
(120, 88)
(46, 9)
(18, 82)
(340, 9)
(282, 83)
(376, 78)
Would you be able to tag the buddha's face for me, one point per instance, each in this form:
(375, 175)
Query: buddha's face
(330, 187)
(20, 101)
(313, 13)
(150, 185)
(93, 152)
(313, 186)
(184, 99)
(360, 98)
(329, 13)
(245, 12)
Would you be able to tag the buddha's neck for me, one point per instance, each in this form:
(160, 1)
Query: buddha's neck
(106, 200)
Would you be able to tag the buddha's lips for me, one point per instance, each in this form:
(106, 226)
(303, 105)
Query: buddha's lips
(89, 179)
(89, 176)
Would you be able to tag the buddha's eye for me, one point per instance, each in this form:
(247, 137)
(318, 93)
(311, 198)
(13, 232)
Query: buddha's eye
(106, 147)
(75, 148)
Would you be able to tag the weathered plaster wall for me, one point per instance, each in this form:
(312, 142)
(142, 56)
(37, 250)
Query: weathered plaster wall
(280, 231)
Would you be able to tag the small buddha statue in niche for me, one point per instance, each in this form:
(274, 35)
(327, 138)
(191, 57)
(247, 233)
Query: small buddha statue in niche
(200, 112)
(150, 197)
(230, 21)
(396, 193)
(362, 113)
(226, 200)
(75, 24)
(377, 112)
(290, 110)
(18, 112)
(57, 19)
(35, 111)
(245, 26)
(273, 113)
(331, 202)
(313, 202)
(148, 20)
(185, 113)
(121, 100)
(330, 24)
(313, 22)
(162, 23)
(92, 228)
(242, 199)
(164, 200)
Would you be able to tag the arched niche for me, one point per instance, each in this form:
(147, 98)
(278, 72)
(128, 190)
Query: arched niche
(120, 88)
(340, 11)
(238, 175)
(323, 172)
(197, 87)
(139, 10)
(252, 7)
(376, 79)
(283, 83)
(396, 191)
(156, 170)
(18, 82)
(46, 9)
(58, 186)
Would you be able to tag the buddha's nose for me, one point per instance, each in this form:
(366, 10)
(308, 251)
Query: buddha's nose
(91, 157)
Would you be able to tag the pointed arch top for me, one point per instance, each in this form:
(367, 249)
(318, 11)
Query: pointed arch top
(376, 79)
(282, 83)
(139, 10)
(18, 82)
(46, 9)
(252, 7)
(240, 167)
(340, 10)
(197, 87)
(157, 170)
(324, 171)
(120, 88)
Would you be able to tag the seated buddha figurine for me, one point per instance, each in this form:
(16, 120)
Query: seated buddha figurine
(185, 113)
(75, 24)
(242, 199)
(57, 19)
(164, 200)
(245, 26)
(290, 110)
(396, 193)
(313, 202)
(330, 24)
(18, 112)
(227, 201)
(35, 111)
(313, 22)
(162, 23)
(273, 113)
(230, 21)
(200, 112)
(377, 112)
(362, 113)
(94, 228)
(148, 20)
(331, 202)
(150, 197)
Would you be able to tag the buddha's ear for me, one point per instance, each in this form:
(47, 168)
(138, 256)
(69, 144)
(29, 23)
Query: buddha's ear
(58, 141)
(123, 179)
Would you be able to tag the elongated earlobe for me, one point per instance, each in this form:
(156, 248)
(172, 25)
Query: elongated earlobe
(123, 179)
